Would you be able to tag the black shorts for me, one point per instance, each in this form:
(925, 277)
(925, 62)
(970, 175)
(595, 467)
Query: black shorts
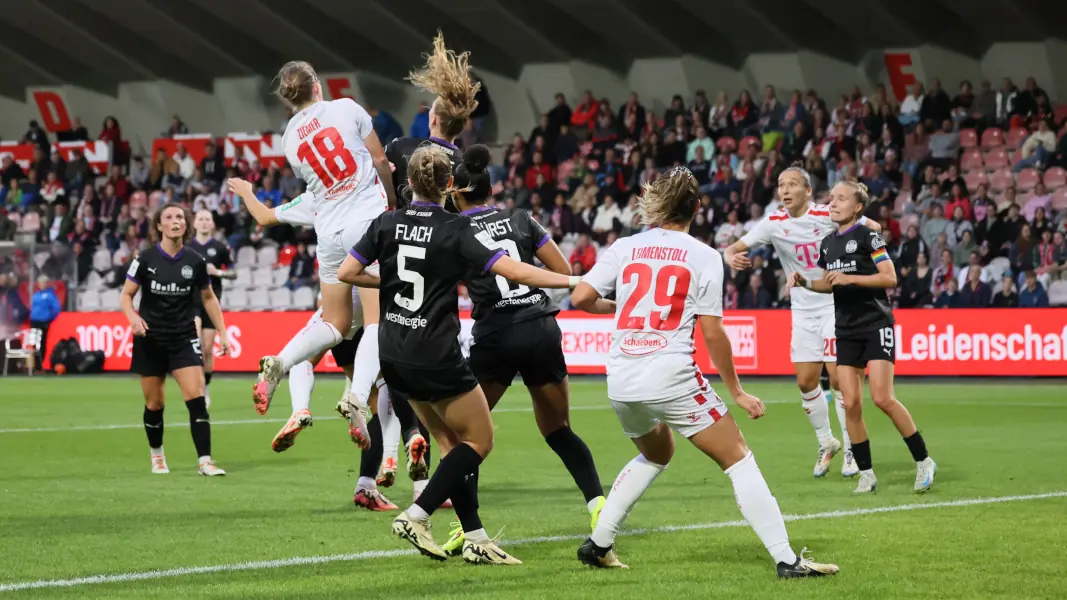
(205, 319)
(858, 349)
(531, 348)
(153, 357)
(425, 384)
(344, 354)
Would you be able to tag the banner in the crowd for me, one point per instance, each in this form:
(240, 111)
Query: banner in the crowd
(98, 154)
(265, 149)
(986, 342)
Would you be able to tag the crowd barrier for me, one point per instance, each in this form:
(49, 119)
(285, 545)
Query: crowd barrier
(986, 342)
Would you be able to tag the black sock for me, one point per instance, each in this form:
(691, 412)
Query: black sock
(917, 445)
(579, 461)
(409, 424)
(465, 502)
(153, 427)
(371, 458)
(449, 477)
(824, 380)
(199, 425)
(207, 378)
(861, 451)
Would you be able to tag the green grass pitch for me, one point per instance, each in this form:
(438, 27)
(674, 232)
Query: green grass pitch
(77, 500)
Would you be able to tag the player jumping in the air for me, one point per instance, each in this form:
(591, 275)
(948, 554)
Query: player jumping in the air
(666, 281)
(858, 271)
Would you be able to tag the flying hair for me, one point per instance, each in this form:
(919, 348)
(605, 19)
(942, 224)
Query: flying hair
(447, 75)
(670, 199)
(797, 167)
(429, 171)
(296, 83)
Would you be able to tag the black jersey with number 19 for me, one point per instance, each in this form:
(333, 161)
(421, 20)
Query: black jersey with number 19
(857, 251)
(423, 253)
(499, 303)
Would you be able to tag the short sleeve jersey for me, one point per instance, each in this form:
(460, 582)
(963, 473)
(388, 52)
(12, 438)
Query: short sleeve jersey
(399, 152)
(299, 211)
(857, 252)
(216, 254)
(324, 145)
(796, 241)
(499, 303)
(663, 280)
(170, 290)
(423, 253)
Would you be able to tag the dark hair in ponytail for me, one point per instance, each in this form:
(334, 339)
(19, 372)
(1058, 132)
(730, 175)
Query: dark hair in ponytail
(472, 175)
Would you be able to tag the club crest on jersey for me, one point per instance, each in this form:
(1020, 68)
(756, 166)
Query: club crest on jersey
(187, 272)
(642, 343)
(212, 252)
(851, 246)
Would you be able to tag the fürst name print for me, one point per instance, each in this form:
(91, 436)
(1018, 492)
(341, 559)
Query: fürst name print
(659, 253)
(497, 229)
(413, 233)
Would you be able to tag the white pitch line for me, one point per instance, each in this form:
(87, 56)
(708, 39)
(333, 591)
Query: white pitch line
(380, 554)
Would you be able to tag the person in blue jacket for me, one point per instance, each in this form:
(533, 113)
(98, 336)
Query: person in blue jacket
(44, 308)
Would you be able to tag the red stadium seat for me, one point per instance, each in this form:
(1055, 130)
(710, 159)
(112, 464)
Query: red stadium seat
(968, 138)
(992, 137)
(1055, 178)
(1016, 137)
(726, 144)
(1001, 179)
(995, 159)
(971, 160)
(1027, 179)
(1060, 113)
(1059, 199)
(285, 257)
(974, 178)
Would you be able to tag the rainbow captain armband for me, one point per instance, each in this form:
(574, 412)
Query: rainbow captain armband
(879, 255)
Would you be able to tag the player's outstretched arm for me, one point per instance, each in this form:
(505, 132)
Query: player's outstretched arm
(823, 286)
(552, 257)
(354, 273)
(585, 297)
(737, 256)
(520, 272)
(722, 356)
(382, 166)
(259, 211)
(214, 310)
(129, 290)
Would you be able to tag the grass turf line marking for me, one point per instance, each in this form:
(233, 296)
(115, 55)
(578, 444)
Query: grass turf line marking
(380, 554)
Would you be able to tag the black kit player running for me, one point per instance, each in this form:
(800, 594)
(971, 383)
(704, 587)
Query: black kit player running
(858, 271)
(173, 282)
(423, 253)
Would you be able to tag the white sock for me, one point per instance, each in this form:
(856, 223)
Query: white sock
(301, 385)
(839, 404)
(313, 338)
(419, 486)
(814, 404)
(478, 536)
(390, 424)
(415, 512)
(157, 451)
(348, 387)
(760, 509)
(366, 367)
(366, 483)
(205, 458)
(629, 486)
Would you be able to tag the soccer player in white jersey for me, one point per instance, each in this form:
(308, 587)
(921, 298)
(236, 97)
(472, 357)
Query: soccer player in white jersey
(333, 147)
(795, 232)
(665, 281)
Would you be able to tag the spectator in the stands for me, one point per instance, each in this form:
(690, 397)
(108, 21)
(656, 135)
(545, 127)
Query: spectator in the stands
(966, 252)
(1040, 199)
(211, 165)
(186, 164)
(730, 231)
(78, 132)
(140, 173)
(718, 116)
(963, 104)
(1032, 295)
(1026, 102)
(111, 132)
(420, 123)
(910, 249)
(10, 170)
(538, 166)
(1040, 222)
(61, 222)
(53, 190)
(583, 118)
(13, 312)
(301, 270)
(701, 169)
(975, 293)
(469, 136)
(936, 105)
(567, 145)
(771, 111)
(177, 127)
(912, 106)
(935, 224)
(560, 114)
(796, 141)
(562, 218)
(756, 296)
(983, 111)
(1038, 148)
(725, 183)
(385, 125)
(949, 296)
(1021, 253)
(672, 152)
(944, 145)
(290, 185)
(700, 141)
(31, 189)
(269, 192)
(915, 291)
(1006, 296)
(7, 226)
(700, 228)
(632, 109)
(11, 196)
(744, 116)
(584, 253)
(1006, 101)
(36, 136)
(109, 204)
(608, 218)
(173, 180)
(604, 133)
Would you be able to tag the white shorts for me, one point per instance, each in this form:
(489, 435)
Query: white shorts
(334, 247)
(357, 315)
(688, 415)
(814, 339)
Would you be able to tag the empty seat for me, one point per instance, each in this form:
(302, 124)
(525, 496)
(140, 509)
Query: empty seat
(1016, 137)
(974, 178)
(995, 158)
(244, 277)
(281, 299)
(31, 221)
(267, 256)
(236, 300)
(992, 137)
(94, 281)
(1057, 293)
(1059, 199)
(101, 260)
(1026, 179)
(749, 141)
(998, 267)
(280, 276)
(304, 298)
(1001, 179)
(262, 277)
(1055, 178)
(259, 298)
(971, 160)
(88, 300)
(968, 138)
(109, 300)
(312, 249)
(246, 256)
(726, 144)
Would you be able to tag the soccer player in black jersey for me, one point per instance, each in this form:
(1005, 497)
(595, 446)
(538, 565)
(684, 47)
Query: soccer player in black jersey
(173, 280)
(858, 273)
(424, 253)
(217, 255)
(515, 330)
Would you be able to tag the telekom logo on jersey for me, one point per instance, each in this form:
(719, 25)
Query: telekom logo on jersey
(808, 253)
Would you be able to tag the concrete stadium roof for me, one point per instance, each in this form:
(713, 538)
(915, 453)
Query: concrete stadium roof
(97, 44)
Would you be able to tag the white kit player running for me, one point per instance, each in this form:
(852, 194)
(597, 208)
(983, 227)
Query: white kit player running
(795, 233)
(333, 147)
(665, 281)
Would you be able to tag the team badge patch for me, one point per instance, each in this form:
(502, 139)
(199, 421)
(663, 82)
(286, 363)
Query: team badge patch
(851, 246)
(187, 272)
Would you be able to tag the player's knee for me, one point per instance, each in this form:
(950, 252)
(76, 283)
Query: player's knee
(482, 444)
(807, 383)
(853, 403)
(197, 408)
(883, 401)
(152, 403)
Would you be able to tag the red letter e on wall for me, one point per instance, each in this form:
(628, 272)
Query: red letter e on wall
(895, 62)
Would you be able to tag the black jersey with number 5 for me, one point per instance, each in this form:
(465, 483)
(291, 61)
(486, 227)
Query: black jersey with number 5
(399, 151)
(170, 290)
(423, 252)
(500, 303)
(857, 251)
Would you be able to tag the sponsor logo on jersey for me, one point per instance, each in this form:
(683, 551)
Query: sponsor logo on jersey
(842, 266)
(851, 246)
(171, 289)
(187, 272)
(642, 343)
(520, 301)
(399, 319)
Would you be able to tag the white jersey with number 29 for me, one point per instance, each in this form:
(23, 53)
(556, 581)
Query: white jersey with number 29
(663, 280)
(324, 145)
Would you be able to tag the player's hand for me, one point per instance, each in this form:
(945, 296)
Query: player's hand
(797, 280)
(138, 326)
(224, 345)
(740, 261)
(752, 405)
(213, 270)
(836, 279)
(240, 186)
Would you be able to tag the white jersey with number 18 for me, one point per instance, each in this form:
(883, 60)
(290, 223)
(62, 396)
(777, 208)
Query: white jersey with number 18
(796, 240)
(663, 281)
(324, 144)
